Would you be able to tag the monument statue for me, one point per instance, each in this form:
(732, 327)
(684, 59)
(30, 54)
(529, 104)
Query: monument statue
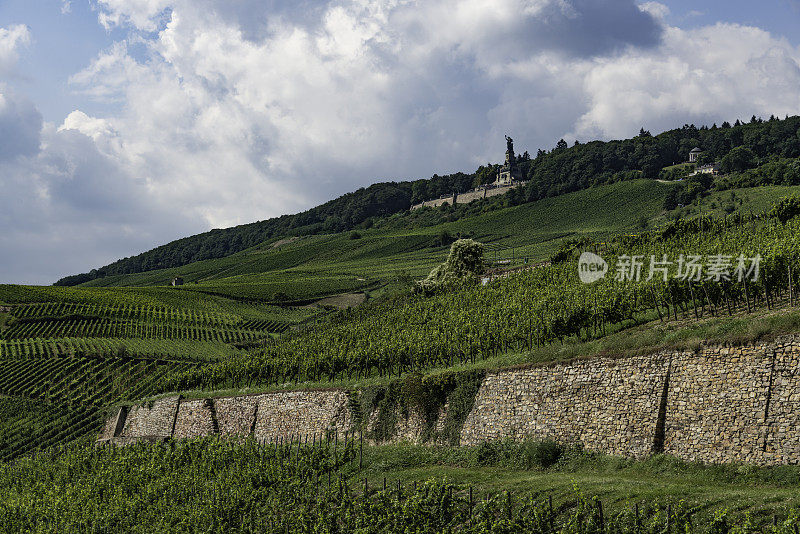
(509, 144)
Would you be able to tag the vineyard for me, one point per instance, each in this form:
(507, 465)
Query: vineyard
(66, 353)
(307, 485)
(83, 381)
(164, 349)
(49, 328)
(519, 313)
(30, 425)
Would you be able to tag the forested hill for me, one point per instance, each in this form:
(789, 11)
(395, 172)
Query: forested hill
(561, 170)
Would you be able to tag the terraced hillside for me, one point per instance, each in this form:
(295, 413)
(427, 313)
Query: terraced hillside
(66, 354)
(320, 265)
(314, 266)
(94, 346)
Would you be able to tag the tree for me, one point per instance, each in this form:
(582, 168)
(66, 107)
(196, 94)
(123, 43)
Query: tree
(561, 145)
(786, 208)
(671, 199)
(444, 238)
(738, 159)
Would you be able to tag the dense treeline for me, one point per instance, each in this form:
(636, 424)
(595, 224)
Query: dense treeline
(737, 147)
(562, 170)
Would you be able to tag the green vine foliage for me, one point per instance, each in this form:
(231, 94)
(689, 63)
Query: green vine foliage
(377, 409)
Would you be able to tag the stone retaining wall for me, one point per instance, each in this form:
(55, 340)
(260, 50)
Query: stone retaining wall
(716, 404)
(268, 417)
(608, 405)
(196, 419)
(301, 413)
(156, 420)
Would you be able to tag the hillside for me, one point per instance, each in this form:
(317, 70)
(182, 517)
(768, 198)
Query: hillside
(127, 357)
(550, 174)
(396, 351)
(315, 266)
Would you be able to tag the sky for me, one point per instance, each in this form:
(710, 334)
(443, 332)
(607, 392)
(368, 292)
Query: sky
(125, 124)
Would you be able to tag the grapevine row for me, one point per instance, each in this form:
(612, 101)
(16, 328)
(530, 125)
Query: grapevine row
(212, 486)
(111, 328)
(522, 312)
(84, 381)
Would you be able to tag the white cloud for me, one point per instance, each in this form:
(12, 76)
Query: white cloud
(12, 38)
(239, 111)
(706, 75)
(142, 14)
(20, 125)
(656, 9)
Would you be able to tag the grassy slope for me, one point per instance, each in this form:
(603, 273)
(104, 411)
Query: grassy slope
(315, 266)
(760, 492)
(310, 266)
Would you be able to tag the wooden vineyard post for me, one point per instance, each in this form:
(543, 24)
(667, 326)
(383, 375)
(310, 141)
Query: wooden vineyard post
(669, 513)
(600, 511)
(470, 504)
(746, 295)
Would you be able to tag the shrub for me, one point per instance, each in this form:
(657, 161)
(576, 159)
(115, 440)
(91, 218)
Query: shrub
(545, 453)
(463, 266)
(786, 208)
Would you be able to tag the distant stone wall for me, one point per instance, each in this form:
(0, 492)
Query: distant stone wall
(465, 198)
(196, 418)
(236, 416)
(716, 404)
(156, 420)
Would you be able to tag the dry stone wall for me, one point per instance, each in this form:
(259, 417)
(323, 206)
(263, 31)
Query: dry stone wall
(195, 419)
(301, 413)
(236, 416)
(716, 404)
(782, 432)
(607, 405)
(267, 417)
(156, 420)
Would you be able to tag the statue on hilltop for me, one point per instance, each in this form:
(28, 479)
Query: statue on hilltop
(509, 144)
